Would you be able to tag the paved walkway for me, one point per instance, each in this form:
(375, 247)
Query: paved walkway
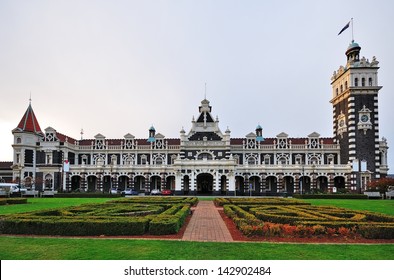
(206, 224)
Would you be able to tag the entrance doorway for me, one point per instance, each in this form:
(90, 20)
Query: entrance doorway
(204, 183)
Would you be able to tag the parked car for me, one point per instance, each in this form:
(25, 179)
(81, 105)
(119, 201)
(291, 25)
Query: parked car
(155, 192)
(166, 192)
(114, 191)
(129, 191)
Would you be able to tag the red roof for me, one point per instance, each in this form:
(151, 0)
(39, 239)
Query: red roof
(6, 165)
(29, 122)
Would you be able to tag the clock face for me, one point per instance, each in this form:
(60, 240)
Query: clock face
(364, 118)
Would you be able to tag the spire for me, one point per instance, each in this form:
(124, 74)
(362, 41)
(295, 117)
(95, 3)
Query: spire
(29, 121)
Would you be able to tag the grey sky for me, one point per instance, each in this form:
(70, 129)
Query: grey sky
(118, 67)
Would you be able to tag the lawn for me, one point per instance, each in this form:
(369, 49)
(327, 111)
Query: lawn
(375, 205)
(18, 247)
(48, 203)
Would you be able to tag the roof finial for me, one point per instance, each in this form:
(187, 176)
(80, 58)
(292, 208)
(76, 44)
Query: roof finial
(81, 133)
(205, 95)
(30, 99)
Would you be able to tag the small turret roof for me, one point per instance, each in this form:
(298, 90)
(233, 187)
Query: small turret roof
(29, 122)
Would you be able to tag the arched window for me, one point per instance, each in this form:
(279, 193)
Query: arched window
(204, 156)
(341, 88)
(370, 82)
(18, 140)
(159, 161)
(251, 161)
(356, 82)
(336, 91)
(345, 85)
(363, 82)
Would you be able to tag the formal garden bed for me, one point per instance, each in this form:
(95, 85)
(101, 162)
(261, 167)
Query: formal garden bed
(123, 217)
(8, 201)
(270, 218)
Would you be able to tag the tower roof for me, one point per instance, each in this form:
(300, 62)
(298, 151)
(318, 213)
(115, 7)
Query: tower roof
(29, 122)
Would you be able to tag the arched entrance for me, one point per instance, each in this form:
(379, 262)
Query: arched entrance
(48, 182)
(107, 183)
(322, 184)
(186, 184)
(271, 184)
(288, 182)
(305, 184)
(139, 183)
(155, 183)
(123, 182)
(223, 184)
(170, 183)
(75, 182)
(239, 185)
(204, 183)
(92, 183)
(254, 184)
(339, 184)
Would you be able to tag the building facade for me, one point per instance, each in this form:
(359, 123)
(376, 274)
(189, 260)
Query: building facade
(208, 161)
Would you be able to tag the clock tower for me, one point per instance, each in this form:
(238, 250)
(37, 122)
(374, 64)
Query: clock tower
(355, 91)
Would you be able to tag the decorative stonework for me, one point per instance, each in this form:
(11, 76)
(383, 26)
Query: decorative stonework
(364, 119)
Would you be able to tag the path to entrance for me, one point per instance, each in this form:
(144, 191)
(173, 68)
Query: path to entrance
(206, 224)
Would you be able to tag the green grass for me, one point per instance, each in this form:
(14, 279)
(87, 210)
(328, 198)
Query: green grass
(374, 205)
(48, 203)
(18, 248)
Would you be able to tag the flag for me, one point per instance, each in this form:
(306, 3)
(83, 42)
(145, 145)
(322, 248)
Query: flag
(344, 28)
(66, 166)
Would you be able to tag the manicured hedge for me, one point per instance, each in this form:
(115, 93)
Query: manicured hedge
(86, 195)
(158, 200)
(330, 196)
(99, 219)
(259, 201)
(5, 201)
(307, 221)
(74, 227)
(170, 221)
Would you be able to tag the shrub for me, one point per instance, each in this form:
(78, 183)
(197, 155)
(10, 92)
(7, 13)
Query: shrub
(330, 196)
(377, 231)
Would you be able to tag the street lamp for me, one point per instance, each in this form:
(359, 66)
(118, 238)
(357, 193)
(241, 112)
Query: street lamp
(303, 178)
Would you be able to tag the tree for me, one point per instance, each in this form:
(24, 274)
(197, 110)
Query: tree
(380, 185)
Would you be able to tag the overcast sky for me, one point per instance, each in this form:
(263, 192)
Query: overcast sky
(118, 67)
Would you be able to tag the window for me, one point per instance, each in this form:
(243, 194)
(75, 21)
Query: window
(159, 161)
(341, 88)
(18, 140)
(336, 91)
(370, 82)
(236, 158)
(251, 161)
(18, 158)
(204, 156)
(345, 85)
(356, 82)
(363, 82)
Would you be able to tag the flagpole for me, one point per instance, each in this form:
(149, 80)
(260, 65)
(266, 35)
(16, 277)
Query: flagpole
(352, 30)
